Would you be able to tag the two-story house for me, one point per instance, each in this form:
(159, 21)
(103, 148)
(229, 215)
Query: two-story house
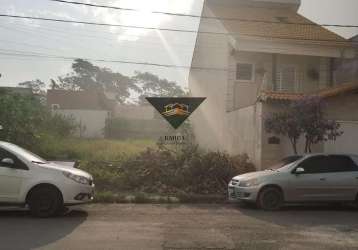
(268, 56)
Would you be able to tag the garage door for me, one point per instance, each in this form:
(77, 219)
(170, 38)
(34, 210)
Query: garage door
(347, 143)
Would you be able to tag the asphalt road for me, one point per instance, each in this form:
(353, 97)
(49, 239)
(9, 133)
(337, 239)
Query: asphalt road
(189, 227)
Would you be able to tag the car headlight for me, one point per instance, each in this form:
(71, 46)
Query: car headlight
(234, 182)
(249, 183)
(77, 178)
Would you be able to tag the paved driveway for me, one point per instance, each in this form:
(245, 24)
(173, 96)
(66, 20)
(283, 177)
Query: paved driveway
(182, 227)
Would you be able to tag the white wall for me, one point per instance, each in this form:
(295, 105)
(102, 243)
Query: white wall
(211, 51)
(135, 112)
(245, 93)
(92, 121)
(347, 143)
(215, 128)
(244, 131)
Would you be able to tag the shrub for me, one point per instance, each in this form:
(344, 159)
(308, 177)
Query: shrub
(211, 172)
(21, 118)
(138, 167)
(167, 172)
(25, 121)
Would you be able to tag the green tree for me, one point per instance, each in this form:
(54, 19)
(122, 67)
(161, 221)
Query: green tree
(87, 76)
(24, 120)
(315, 127)
(285, 124)
(304, 117)
(37, 86)
(153, 86)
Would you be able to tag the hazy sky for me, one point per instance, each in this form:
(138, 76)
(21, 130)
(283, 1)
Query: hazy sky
(18, 36)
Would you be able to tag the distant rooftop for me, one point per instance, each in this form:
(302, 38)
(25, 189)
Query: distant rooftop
(79, 100)
(17, 90)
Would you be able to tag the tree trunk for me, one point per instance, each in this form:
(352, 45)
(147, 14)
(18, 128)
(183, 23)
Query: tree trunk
(294, 145)
(308, 145)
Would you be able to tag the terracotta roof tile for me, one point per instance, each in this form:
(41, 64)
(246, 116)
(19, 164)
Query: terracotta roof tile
(324, 93)
(282, 30)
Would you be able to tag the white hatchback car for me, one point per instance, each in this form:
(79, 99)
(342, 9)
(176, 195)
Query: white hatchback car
(46, 187)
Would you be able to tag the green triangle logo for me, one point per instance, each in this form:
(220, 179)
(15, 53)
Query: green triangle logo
(176, 109)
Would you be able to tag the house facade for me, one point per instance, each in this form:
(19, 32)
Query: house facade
(89, 109)
(258, 67)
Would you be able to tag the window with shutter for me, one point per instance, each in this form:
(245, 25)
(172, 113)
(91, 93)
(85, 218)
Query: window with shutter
(245, 72)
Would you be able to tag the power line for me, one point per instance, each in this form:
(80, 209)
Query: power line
(30, 55)
(175, 30)
(101, 24)
(65, 32)
(204, 17)
(66, 39)
(104, 41)
(60, 38)
(25, 44)
(87, 35)
(26, 54)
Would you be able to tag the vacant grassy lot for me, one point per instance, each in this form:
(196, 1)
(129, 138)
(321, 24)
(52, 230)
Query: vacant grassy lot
(141, 171)
(92, 149)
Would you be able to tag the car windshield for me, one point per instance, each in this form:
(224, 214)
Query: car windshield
(285, 161)
(23, 153)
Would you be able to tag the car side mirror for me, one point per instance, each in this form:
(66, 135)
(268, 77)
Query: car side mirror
(8, 162)
(299, 170)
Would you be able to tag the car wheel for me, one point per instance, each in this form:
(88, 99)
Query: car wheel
(270, 198)
(45, 202)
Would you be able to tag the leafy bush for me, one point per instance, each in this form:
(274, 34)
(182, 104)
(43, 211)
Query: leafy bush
(190, 171)
(21, 118)
(100, 157)
(25, 121)
(212, 171)
(58, 125)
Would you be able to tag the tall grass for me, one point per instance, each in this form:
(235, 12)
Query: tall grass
(91, 149)
(143, 167)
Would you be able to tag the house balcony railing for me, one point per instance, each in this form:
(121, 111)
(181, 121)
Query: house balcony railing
(291, 82)
(303, 83)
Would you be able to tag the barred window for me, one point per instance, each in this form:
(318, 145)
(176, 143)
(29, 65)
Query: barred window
(286, 78)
